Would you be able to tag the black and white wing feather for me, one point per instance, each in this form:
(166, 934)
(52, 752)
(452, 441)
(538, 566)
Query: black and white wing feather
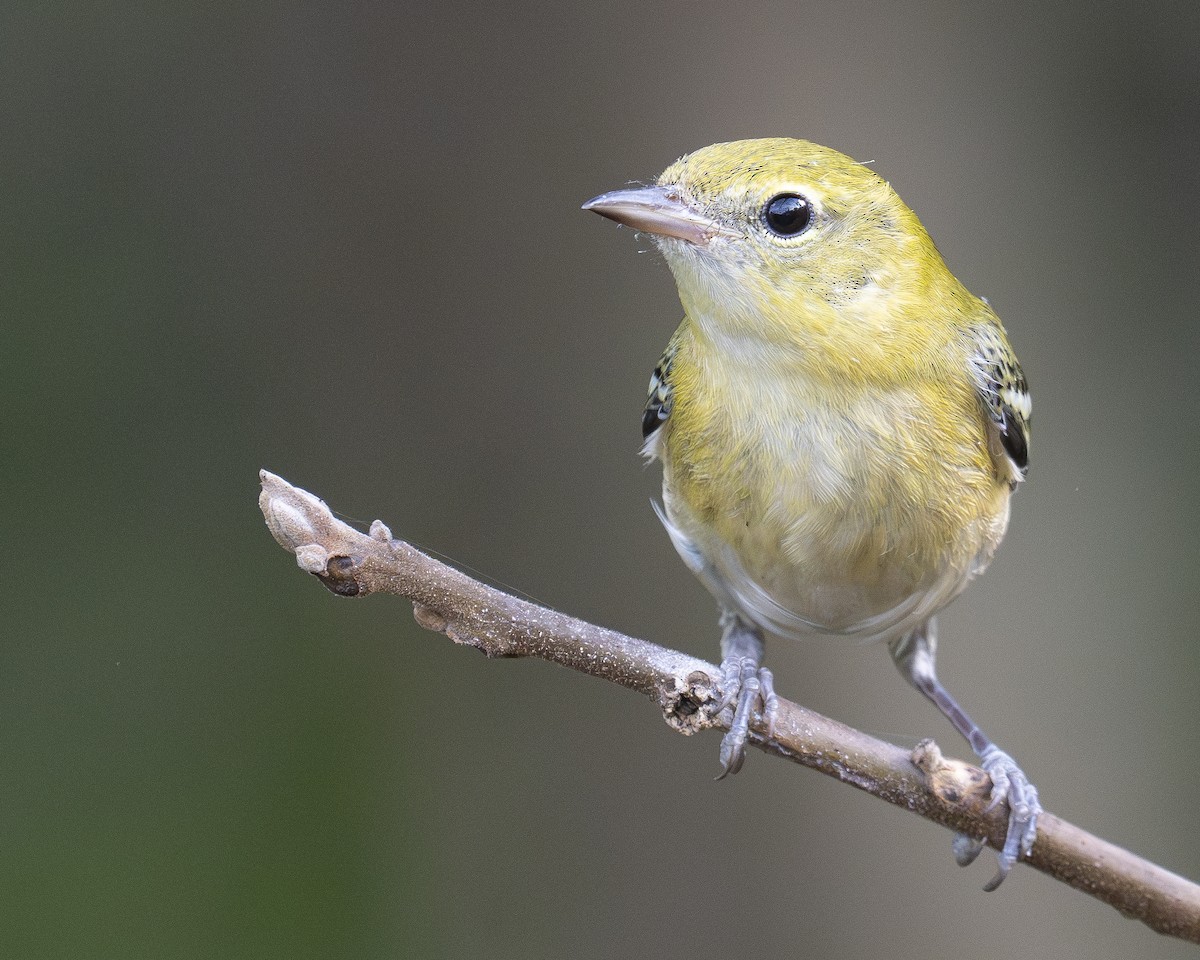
(658, 402)
(1004, 393)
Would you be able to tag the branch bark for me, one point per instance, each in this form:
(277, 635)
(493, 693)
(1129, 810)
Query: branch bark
(949, 792)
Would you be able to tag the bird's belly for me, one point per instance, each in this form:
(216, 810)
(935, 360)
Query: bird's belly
(858, 530)
(848, 575)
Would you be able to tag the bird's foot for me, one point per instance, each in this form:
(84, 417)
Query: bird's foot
(744, 685)
(1008, 783)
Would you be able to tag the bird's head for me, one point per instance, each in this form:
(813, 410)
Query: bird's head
(778, 236)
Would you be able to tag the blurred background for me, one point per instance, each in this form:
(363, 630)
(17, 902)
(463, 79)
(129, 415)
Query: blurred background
(343, 242)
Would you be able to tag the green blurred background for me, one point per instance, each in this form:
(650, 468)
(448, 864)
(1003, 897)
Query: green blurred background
(344, 242)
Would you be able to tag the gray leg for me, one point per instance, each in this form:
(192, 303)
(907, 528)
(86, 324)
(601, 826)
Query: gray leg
(914, 655)
(744, 683)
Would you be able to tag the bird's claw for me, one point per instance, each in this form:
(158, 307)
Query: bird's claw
(744, 685)
(1008, 783)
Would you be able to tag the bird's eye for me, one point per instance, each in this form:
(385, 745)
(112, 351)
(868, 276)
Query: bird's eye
(787, 215)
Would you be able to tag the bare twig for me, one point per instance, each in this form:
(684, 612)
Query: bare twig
(946, 791)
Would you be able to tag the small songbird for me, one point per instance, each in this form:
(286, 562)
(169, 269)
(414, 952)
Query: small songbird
(841, 423)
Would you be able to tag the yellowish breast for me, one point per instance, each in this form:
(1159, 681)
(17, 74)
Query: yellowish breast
(844, 504)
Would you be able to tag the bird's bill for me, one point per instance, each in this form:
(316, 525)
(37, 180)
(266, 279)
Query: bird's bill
(658, 210)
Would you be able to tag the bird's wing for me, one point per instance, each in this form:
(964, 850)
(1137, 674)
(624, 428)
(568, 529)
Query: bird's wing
(1004, 394)
(658, 403)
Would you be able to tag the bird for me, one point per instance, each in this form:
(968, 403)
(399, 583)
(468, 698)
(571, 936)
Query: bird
(841, 423)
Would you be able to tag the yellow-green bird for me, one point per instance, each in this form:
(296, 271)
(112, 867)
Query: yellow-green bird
(841, 423)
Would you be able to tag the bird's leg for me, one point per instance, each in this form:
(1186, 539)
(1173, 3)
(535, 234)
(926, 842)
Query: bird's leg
(914, 654)
(744, 684)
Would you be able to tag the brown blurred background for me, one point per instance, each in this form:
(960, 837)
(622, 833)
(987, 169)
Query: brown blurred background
(344, 242)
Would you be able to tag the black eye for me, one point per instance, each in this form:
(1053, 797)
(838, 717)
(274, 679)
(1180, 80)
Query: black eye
(787, 215)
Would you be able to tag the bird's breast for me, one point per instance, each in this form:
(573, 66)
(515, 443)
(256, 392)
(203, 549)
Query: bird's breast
(846, 506)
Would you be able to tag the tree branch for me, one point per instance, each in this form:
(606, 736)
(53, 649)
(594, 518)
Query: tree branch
(948, 792)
